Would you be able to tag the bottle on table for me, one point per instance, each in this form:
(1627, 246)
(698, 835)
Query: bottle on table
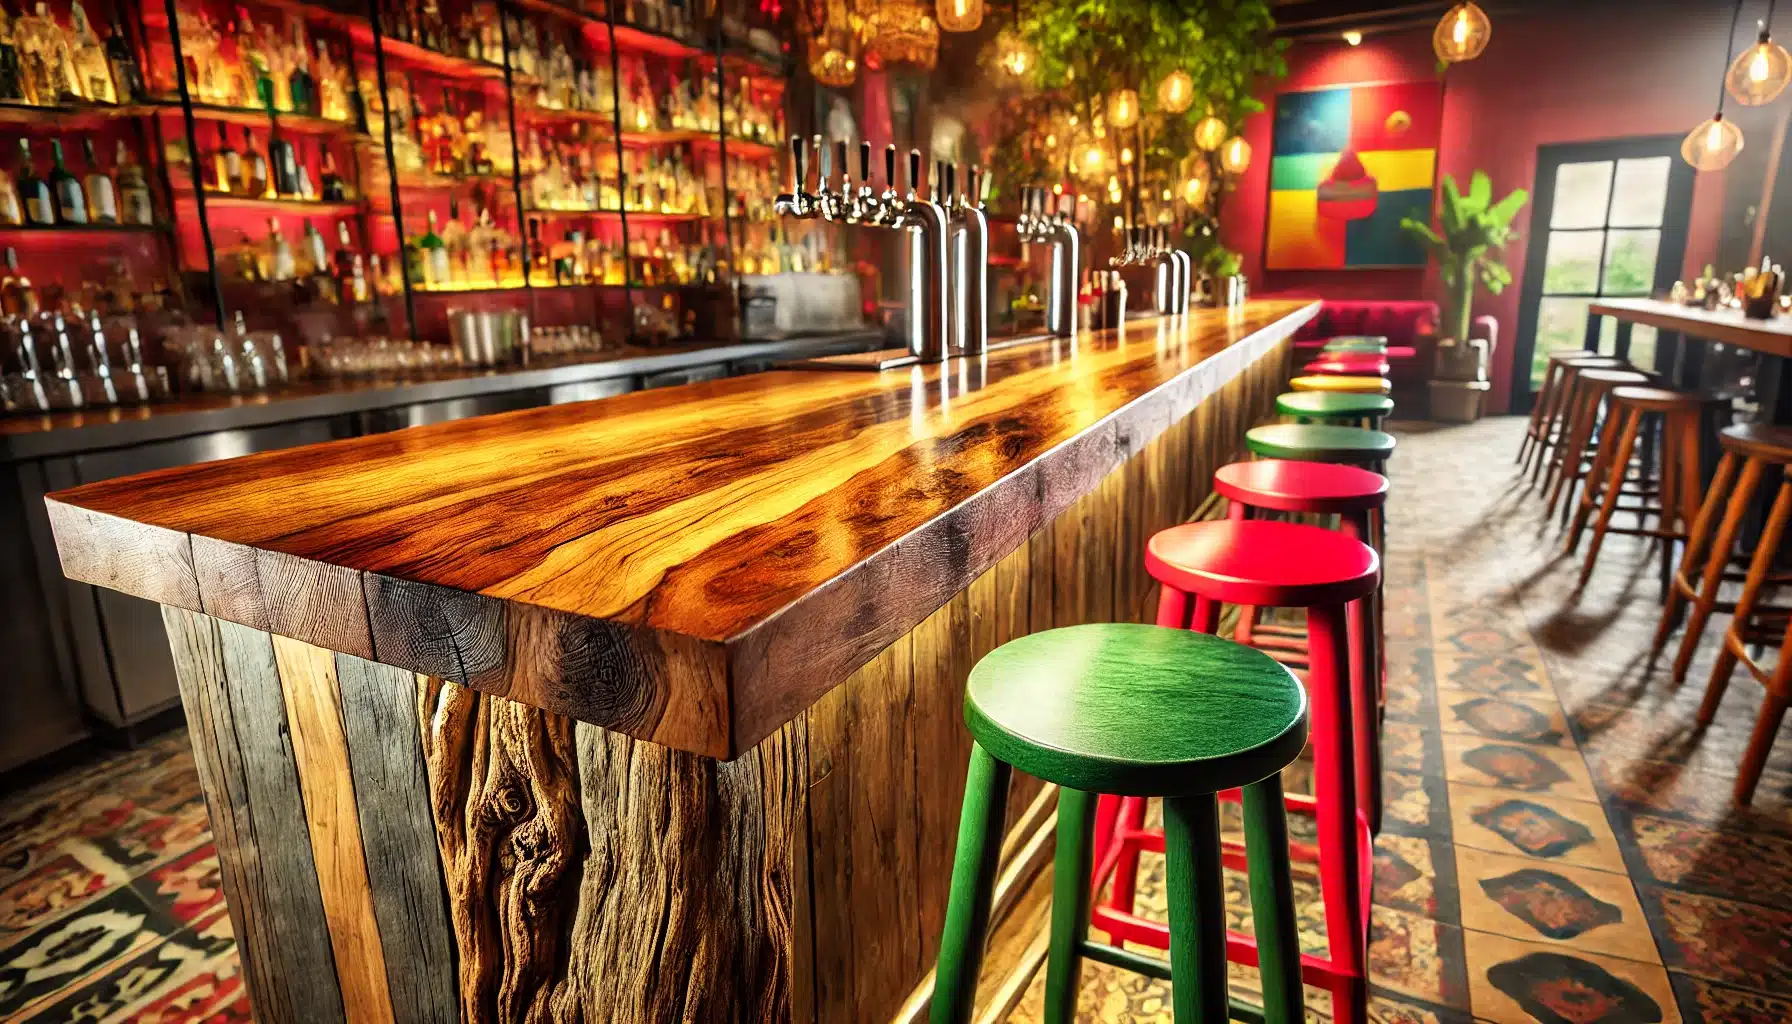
(102, 196)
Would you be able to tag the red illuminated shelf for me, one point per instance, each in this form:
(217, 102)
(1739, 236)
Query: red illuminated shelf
(250, 117)
(640, 40)
(19, 230)
(744, 148)
(220, 201)
(69, 115)
(602, 117)
(658, 138)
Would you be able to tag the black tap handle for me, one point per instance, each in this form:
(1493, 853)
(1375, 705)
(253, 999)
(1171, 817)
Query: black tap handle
(914, 171)
(865, 163)
(798, 165)
(825, 162)
(845, 168)
(890, 167)
(951, 182)
(971, 185)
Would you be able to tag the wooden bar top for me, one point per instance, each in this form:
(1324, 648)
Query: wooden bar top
(692, 565)
(1728, 326)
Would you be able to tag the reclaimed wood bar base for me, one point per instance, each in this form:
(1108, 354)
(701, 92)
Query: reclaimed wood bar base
(397, 847)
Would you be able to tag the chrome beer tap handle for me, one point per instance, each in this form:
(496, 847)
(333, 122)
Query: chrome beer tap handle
(797, 202)
(889, 202)
(864, 203)
(929, 267)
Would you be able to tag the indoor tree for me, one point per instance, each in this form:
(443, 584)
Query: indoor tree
(1472, 234)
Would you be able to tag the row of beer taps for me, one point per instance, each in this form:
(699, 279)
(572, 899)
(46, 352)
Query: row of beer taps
(1151, 247)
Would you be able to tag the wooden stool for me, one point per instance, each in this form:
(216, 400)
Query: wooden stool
(1346, 365)
(1544, 432)
(1138, 711)
(1753, 624)
(1337, 408)
(1270, 564)
(1356, 496)
(1676, 487)
(1585, 400)
(1354, 384)
(1749, 449)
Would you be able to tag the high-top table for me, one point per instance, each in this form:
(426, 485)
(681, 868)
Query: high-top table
(648, 708)
(1684, 333)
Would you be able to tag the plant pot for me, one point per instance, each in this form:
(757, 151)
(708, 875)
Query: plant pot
(1460, 361)
(1458, 401)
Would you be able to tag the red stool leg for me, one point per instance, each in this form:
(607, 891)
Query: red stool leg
(1172, 607)
(1365, 681)
(1341, 864)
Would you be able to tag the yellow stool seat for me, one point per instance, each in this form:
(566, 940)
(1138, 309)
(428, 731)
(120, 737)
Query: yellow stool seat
(1350, 384)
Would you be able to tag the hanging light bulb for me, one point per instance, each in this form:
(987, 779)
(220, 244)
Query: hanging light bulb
(959, 15)
(1759, 73)
(1126, 156)
(1462, 33)
(1176, 92)
(1235, 155)
(1195, 191)
(1210, 133)
(1716, 142)
(1012, 55)
(1093, 160)
(1123, 108)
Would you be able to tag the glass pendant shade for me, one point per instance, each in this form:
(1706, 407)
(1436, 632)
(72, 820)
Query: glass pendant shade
(1462, 33)
(1210, 133)
(1235, 155)
(1713, 144)
(1092, 162)
(833, 58)
(1195, 191)
(902, 32)
(1013, 56)
(1759, 73)
(1176, 92)
(959, 15)
(1123, 108)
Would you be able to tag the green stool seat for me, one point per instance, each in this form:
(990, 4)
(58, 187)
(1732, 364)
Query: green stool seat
(1136, 710)
(1319, 442)
(1123, 708)
(1356, 343)
(1342, 408)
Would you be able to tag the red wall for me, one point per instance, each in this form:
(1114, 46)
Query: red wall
(1546, 78)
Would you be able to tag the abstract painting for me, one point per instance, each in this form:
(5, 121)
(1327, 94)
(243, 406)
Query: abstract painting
(1347, 164)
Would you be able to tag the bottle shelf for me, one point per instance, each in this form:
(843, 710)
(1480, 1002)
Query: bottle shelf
(251, 117)
(70, 115)
(631, 39)
(746, 149)
(224, 201)
(20, 230)
(599, 117)
(643, 216)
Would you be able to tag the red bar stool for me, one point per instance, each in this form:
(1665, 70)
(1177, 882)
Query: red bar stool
(1356, 496)
(1349, 365)
(1272, 565)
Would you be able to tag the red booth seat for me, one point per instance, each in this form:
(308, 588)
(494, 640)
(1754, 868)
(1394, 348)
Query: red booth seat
(1406, 324)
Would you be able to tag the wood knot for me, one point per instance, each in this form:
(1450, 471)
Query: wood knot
(512, 802)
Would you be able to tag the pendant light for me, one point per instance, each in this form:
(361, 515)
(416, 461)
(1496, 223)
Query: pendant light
(1715, 142)
(1462, 33)
(1235, 155)
(1123, 108)
(959, 15)
(1760, 73)
(1210, 133)
(1176, 92)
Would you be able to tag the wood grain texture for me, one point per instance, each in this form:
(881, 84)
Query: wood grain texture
(231, 692)
(691, 565)
(404, 870)
(320, 751)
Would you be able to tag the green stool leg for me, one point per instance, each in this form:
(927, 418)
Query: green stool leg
(1197, 892)
(973, 886)
(1272, 903)
(1070, 903)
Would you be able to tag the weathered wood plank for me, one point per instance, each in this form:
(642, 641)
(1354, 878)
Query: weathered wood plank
(942, 661)
(404, 869)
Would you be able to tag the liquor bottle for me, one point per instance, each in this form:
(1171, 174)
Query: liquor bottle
(317, 259)
(454, 239)
(92, 68)
(102, 196)
(281, 264)
(255, 168)
(307, 190)
(11, 210)
(434, 254)
(228, 163)
(127, 76)
(351, 275)
(332, 190)
(134, 205)
(12, 78)
(16, 294)
(45, 51)
(285, 163)
(256, 88)
(40, 206)
(300, 83)
(71, 205)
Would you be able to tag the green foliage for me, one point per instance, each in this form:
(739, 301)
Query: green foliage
(1474, 233)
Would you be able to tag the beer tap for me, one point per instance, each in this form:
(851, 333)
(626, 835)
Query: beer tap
(1054, 227)
(836, 201)
(797, 202)
(970, 263)
(1182, 275)
(930, 266)
(864, 202)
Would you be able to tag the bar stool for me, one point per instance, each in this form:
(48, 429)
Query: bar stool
(1348, 365)
(1321, 442)
(1354, 384)
(1544, 432)
(1676, 487)
(1356, 496)
(1139, 711)
(1586, 400)
(1357, 343)
(1338, 408)
(1748, 449)
(1287, 565)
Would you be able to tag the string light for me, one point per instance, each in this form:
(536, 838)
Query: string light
(1462, 33)
(1235, 155)
(959, 15)
(1123, 108)
(1760, 73)
(1126, 156)
(1716, 142)
(1210, 133)
(1176, 92)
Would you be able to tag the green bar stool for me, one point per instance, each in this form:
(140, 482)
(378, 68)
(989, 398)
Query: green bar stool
(1357, 343)
(1133, 710)
(1337, 408)
(1321, 442)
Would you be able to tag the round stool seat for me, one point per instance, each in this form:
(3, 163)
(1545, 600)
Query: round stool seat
(1286, 485)
(1136, 710)
(1604, 376)
(1357, 384)
(1349, 365)
(1581, 356)
(1332, 404)
(1379, 340)
(1758, 441)
(1263, 563)
(1660, 399)
(1322, 442)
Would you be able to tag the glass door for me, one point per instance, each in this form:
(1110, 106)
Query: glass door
(1609, 221)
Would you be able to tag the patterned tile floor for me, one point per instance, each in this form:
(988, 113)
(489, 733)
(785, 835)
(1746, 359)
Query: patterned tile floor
(1560, 843)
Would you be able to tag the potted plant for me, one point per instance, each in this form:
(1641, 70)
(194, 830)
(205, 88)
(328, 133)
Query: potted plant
(1470, 239)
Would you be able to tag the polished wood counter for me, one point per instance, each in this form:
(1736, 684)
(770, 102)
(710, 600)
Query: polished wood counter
(419, 669)
(694, 565)
(1729, 326)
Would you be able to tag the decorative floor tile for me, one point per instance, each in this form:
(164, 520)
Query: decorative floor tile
(1413, 804)
(1415, 956)
(1503, 674)
(1706, 1002)
(1723, 940)
(1515, 982)
(52, 888)
(1406, 876)
(186, 888)
(63, 953)
(1538, 901)
(1506, 717)
(1734, 863)
(1547, 770)
(1533, 825)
